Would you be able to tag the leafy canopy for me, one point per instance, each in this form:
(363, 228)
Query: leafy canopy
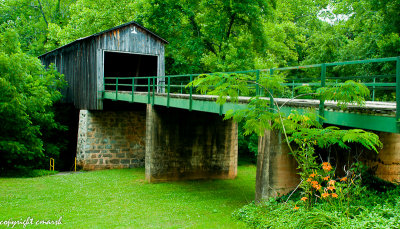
(28, 93)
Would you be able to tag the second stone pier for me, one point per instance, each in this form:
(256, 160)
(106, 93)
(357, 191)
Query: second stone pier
(184, 145)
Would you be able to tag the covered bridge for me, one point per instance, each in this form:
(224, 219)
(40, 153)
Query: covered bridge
(128, 50)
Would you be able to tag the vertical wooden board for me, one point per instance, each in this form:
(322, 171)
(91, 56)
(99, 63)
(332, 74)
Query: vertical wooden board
(123, 39)
(134, 44)
(77, 80)
(93, 64)
(100, 76)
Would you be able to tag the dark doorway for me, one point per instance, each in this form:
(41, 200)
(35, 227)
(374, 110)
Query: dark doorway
(126, 65)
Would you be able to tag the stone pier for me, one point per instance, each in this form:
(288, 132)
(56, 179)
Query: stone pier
(387, 161)
(276, 169)
(111, 139)
(182, 145)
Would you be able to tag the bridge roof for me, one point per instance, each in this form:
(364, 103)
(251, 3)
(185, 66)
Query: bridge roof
(106, 31)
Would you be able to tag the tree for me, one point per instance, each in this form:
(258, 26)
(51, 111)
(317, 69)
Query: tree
(207, 36)
(91, 16)
(32, 19)
(28, 93)
(369, 29)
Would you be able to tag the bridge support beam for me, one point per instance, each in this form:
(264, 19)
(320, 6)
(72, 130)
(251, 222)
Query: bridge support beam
(183, 145)
(276, 169)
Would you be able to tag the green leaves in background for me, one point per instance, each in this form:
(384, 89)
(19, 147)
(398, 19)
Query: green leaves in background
(28, 92)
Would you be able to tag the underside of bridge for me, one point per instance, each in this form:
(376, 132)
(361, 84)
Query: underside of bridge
(178, 144)
(182, 144)
(172, 144)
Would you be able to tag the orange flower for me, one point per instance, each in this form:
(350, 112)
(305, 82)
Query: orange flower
(325, 194)
(326, 166)
(331, 182)
(327, 178)
(334, 195)
(309, 180)
(317, 186)
(343, 179)
(331, 188)
(314, 182)
(296, 208)
(304, 198)
(313, 175)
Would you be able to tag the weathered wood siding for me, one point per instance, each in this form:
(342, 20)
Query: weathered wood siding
(78, 64)
(82, 62)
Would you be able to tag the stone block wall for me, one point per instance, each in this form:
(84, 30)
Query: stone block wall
(387, 161)
(276, 169)
(111, 139)
(182, 145)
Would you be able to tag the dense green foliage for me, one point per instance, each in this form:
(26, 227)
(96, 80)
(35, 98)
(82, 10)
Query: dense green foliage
(25, 172)
(28, 92)
(221, 35)
(369, 209)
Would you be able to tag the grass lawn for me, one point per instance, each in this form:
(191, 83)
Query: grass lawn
(122, 199)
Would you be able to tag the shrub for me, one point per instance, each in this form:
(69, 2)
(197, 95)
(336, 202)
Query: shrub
(370, 209)
(28, 93)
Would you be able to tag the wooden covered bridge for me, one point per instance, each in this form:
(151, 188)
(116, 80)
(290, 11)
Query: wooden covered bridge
(132, 115)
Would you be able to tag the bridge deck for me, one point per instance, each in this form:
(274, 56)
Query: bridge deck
(379, 116)
(370, 106)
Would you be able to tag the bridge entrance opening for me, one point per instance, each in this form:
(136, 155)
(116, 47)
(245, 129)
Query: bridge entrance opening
(128, 65)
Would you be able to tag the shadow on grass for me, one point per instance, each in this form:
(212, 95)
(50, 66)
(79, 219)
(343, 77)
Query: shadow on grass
(240, 189)
(25, 173)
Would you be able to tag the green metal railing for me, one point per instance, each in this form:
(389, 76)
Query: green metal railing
(317, 76)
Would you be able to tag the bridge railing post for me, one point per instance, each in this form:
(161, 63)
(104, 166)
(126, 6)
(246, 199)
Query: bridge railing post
(169, 89)
(257, 82)
(271, 98)
(133, 89)
(373, 89)
(322, 101)
(154, 82)
(398, 89)
(293, 88)
(190, 94)
(116, 89)
(148, 90)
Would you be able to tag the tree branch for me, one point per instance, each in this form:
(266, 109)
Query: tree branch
(198, 33)
(232, 20)
(41, 10)
(293, 191)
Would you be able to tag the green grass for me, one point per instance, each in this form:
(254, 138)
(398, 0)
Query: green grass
(122, 199)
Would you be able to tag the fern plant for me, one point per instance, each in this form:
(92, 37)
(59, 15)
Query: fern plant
(301, 129)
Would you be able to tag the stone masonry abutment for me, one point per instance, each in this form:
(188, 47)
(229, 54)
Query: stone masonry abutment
(111, 139)
(387, 162)
(182, 145)
(276, 169)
